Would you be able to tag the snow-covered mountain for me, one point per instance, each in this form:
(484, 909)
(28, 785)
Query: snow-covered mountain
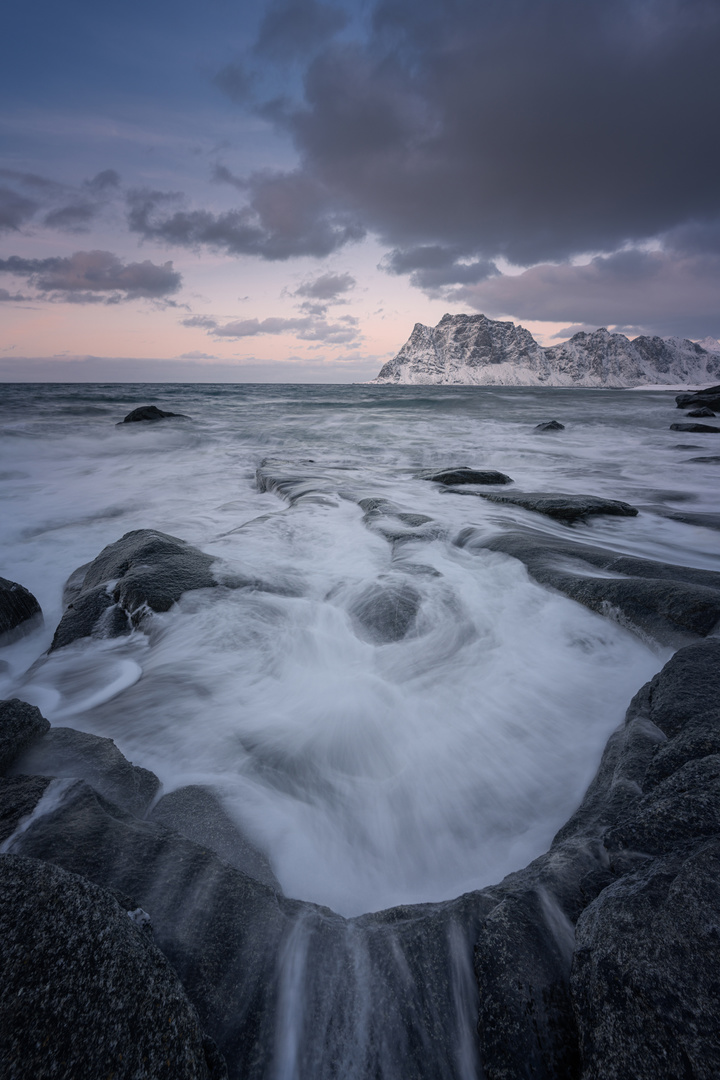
(472, 349)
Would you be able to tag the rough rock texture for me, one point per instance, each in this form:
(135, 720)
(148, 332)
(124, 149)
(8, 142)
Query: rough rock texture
(567, 508)
(64, 752)
(699, 428)
(708, 398)
(197, 813)
(20, 725)
(20, 612)
(464, 475)
(84, 991)
(144, 571)
(19, 795)
(672, 604)
(476, 350)
(150, 412)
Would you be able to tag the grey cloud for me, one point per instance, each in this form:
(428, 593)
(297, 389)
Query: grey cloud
(287, 215)
(104, 181)
(296, 28)
(71, 218)
(432, 266)
(532, 130)
(15, 209)
(326, 286)
(6, 297)
(656, 291)
(307, 328)
(235, 82)
(94, 276)
(65, 207)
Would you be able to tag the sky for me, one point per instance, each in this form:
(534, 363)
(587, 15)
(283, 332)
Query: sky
(278, 191)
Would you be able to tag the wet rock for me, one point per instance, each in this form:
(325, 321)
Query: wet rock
(672, 604)
(84, 991)
(386, 612)
(701, 412)
(150, 412)
(709, 398)
(144, 571)
(463, 475)
(19, 795)
(196, 812)
(20, 612)
(64, 752)
(712, 460)
(20, 725)
(644, 980)
(702, 518)
(550, 425)
(297, 481)
(699, 738)
(567, 508)
(699, 428)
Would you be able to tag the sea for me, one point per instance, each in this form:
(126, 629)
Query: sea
(372, 773)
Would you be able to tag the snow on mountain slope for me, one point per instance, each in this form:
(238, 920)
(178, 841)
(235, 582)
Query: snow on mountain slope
(472, 349)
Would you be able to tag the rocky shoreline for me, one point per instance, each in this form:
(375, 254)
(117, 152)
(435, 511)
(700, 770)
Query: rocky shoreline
(143, 935)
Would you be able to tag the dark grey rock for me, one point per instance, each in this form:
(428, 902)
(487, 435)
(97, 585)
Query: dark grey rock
(699, 428)
(699, 738)
(673, 604)
(64, 752)
(709, 398)
(712, 460)
(196, 812)
(20, 725)
(645, 982)
(567, 508)
(84, 991)
(386, 612)
(144, 571)
(150, 413)
(550, 425)
(701, 412)
(19, 795)
(686, 688)
(20, 612)
(464, 475)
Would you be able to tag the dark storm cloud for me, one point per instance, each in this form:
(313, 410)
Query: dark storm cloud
(659, 291)
(308, 328)
(432, 266)
(287, 215)
(296, 28)
(94, 277)
(529, 129)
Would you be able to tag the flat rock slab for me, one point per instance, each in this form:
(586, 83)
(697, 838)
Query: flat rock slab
(64, 752)
(20, 725)
(463, 475)
(567, 508)
(673, 604)
(20, 612)
(197, 813)
(84, 991)
(150, 413)
(144, 571)
(707, 429)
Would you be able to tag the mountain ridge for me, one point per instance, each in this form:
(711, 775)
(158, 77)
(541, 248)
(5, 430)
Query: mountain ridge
(475, 350)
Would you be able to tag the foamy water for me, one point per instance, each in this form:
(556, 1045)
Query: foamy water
(371, 774)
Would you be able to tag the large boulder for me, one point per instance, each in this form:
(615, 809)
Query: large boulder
(84, 991)
(20, 612)
(20, 725)
(708, 398)
(64, 752)
(144, 571)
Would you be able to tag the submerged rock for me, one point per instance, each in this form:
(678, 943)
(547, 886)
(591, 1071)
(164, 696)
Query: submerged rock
(464, 475)
(20, 726)
(550, 425)
(150, 412)
(701, 412)
(84, 990)
(144, 571)
(20, 612)
(386, 612)
(64, 752)
(567, 508)
(699, 428)
(672, 604)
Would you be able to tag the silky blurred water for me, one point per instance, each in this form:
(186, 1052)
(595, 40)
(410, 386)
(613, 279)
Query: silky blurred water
(372, 774)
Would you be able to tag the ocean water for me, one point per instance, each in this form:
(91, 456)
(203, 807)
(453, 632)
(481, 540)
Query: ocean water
(372, 773)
